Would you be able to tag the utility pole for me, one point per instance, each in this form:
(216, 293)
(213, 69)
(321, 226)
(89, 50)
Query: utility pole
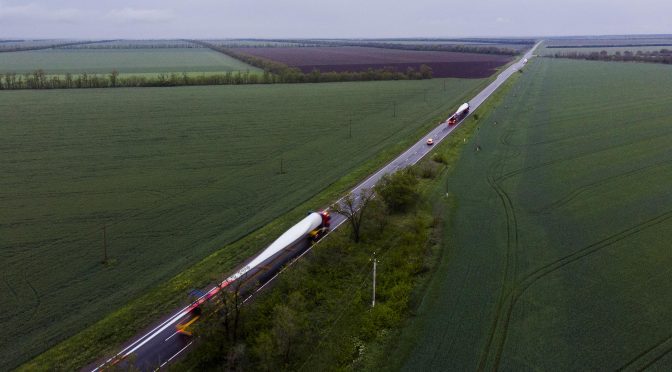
(350, 129)
(104, 244)
(375, 262)
(281, 169)
(394, 105)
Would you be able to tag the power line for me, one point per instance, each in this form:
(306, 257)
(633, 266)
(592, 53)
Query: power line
(375, 262)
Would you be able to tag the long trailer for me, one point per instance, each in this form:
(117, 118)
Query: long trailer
(460, 114)
(266, 264)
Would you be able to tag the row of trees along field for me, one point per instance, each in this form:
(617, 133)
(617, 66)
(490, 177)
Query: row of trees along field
(135, 44)
(479, 49)
(40, 80)
(656, 56)
(26, 46)
(261, 44)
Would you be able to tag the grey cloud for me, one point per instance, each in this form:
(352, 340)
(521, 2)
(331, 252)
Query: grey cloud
(328, 18)
(38, 12)
(132, 15)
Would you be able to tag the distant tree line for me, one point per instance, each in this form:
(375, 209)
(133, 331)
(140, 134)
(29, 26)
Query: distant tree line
(529, 42)
(135, 44)
(226, 44)
(40, 80)
(23, 48)
(656, 56)
(480, 49)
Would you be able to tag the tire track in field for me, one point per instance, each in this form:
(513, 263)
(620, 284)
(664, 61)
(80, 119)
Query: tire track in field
(646, 352)
(18, 297)
(509, 297)
(581, 189)
(511, 263)
(11, 289)
(38, 301)
(504, 140)
(498, 336)
(506, 281)
(510, 266)
(656, 359)
(554, 266)
(575, 157)
(584, 136)
(9, 315)
(547, 142)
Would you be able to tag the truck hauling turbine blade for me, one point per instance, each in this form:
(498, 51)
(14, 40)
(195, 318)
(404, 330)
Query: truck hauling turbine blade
(269, 262)
(460, 114)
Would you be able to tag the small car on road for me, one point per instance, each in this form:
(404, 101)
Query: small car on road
(430, 142)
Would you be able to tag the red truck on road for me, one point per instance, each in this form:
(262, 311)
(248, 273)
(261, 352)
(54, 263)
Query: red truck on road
(460, 114)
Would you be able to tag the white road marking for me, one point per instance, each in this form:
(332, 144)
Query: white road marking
(146, 337)
(173, 357)
(171, 336)
(163, 328)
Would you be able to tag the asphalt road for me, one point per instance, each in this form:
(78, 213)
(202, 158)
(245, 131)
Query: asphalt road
(438, 134)
(158, 345)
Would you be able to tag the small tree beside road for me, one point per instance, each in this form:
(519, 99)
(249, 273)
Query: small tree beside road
(352, 207)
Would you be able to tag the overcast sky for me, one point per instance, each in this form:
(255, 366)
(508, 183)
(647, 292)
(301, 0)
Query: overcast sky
(334, 18)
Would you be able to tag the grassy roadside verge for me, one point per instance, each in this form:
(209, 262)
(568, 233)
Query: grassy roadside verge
(393, 352)
(103, 337)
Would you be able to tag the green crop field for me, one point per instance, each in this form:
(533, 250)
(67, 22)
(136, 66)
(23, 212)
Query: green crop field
(103, 61)
(611, 45)
(174, 174)
(558, 254)
(611, 50)
(609, 40)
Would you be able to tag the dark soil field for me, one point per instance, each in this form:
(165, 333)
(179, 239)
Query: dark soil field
(356, 59)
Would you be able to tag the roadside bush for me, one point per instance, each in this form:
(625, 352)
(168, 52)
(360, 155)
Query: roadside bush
(428, 169)
(439, 158)
(399, 190)
(377, 218)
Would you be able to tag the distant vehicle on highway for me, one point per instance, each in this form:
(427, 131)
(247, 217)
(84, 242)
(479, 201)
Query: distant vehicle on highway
(430, 142)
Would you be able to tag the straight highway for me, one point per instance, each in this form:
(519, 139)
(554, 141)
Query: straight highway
(160, 344)
(420, 149)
